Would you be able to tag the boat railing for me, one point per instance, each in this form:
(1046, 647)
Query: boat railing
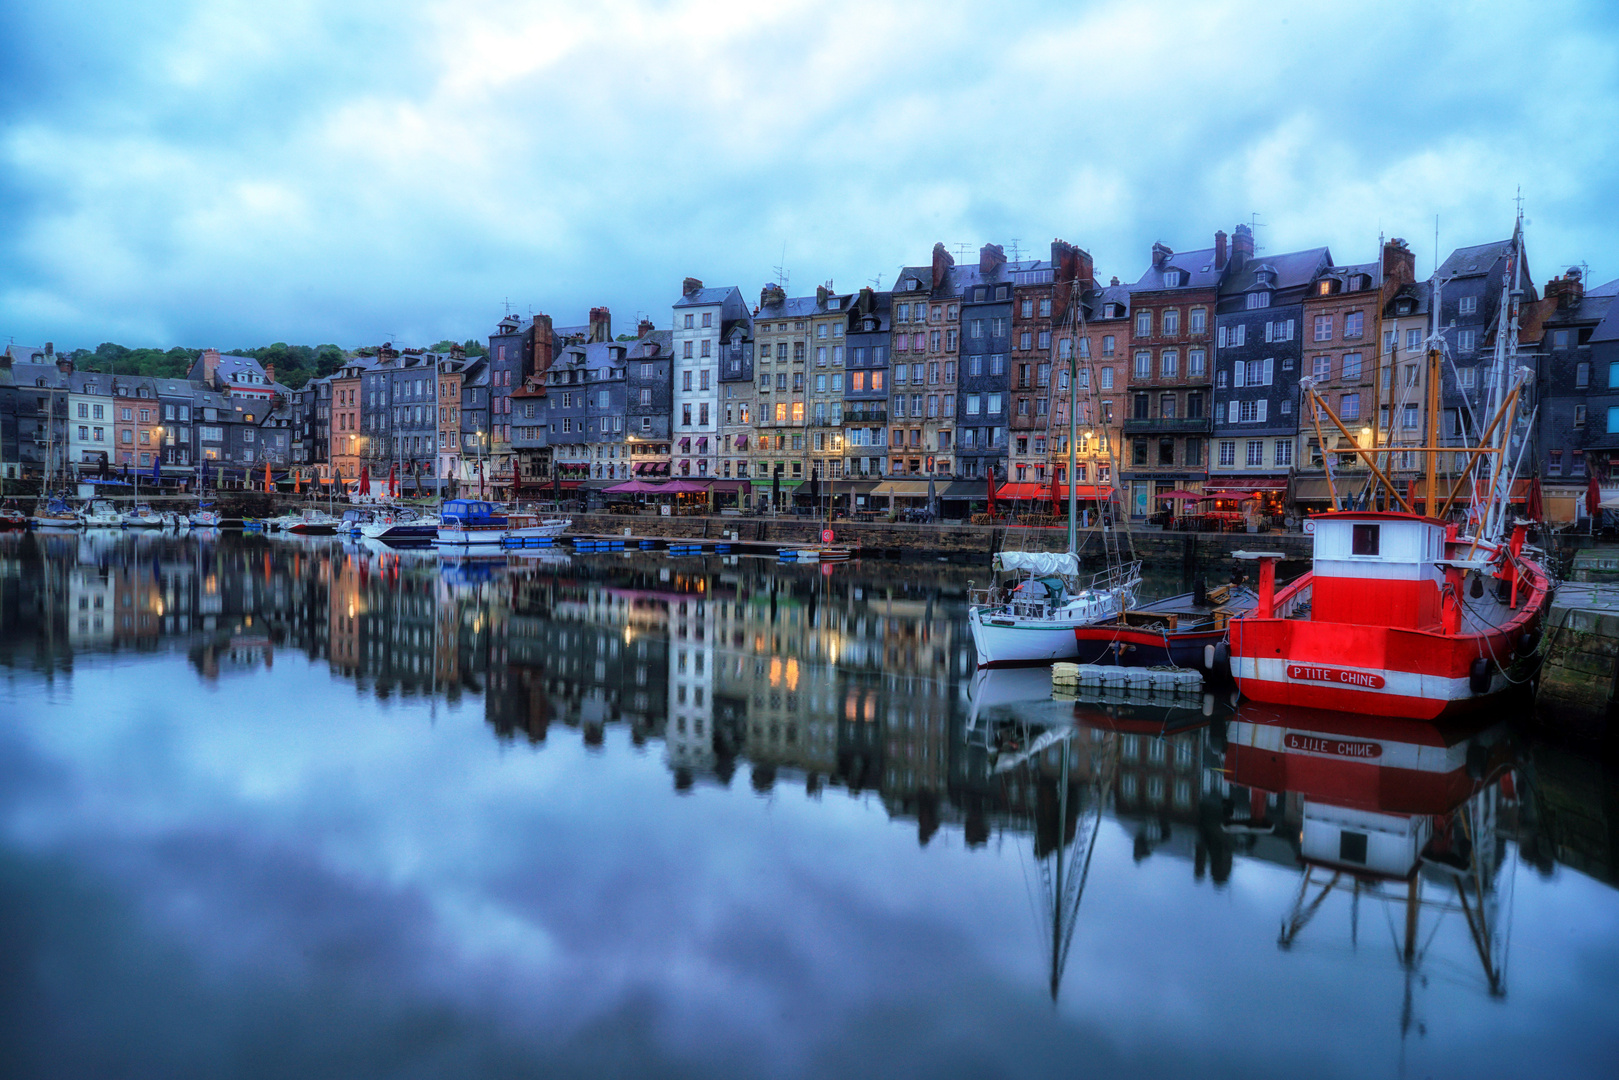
(1292, 597)
(1124, 576)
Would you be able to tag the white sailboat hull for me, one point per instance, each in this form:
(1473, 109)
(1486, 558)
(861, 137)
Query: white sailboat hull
(1003, 637)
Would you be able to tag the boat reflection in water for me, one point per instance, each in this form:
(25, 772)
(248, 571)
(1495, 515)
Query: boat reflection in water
(1410, 816)
(1407, 816)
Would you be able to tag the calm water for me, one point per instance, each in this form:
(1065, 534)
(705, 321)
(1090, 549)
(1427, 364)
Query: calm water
(305, 808)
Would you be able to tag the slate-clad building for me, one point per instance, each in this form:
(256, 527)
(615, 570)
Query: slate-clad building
(1258, 354)
(702, 318)
(867, 382)
(648, 388)
(983, 393)
(1578, 384)
(475, 416)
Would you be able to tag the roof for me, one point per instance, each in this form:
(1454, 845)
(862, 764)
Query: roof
(28, 373)
(1474, 261)
(1349, 270)
(1292, 270)
(1608, 328)
(1609, 289)
(1201, 273)
(26, 354)
(793, 307)
(656, 344)
(707, 297)
(1421, 291)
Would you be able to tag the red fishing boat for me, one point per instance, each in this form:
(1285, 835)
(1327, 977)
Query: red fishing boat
(1403, 613)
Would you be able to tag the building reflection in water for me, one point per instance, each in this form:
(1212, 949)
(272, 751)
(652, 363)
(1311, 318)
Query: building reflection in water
(854, 677)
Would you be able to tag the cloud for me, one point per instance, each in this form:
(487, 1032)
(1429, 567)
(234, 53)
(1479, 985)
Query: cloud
(222, 173)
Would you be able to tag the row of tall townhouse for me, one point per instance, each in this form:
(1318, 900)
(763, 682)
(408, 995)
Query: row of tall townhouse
(61, 423)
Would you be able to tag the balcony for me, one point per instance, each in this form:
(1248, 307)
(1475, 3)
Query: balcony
(866, 416)
(1167, 424)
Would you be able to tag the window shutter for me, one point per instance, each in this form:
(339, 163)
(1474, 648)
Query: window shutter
(1232, 413)
(1270, 367)
(1238, 375)
(1262, 404)
(1220, 335)
(1270, 330)
(1289, 335)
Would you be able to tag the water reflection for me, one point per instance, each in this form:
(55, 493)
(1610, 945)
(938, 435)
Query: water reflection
(1153, 847)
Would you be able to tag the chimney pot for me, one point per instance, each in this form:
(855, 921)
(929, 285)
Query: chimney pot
(990, 258)
(689, 286)
(1219, 249)
(50, 349)
(942, 262)
(1160, 254)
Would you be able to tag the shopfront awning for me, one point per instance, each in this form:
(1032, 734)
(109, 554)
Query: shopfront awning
(853, 487)
(905, 489)
(727, 485)
(964, 489)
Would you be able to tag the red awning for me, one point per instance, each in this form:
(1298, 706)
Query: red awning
(570, 485)
(1042, 491)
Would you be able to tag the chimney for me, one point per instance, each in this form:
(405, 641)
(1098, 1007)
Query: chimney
(601, 324)
(689, 286)
(1242, 246)
(771, 294)
(1219, 249)
(1568, 290)
(942, 262)
(644, 327)
(545, 340)
(64, 364)
(210, 365)
(1399, 263)
(991, 257)
(1115, 280)
(1160, 255)
(457, 352)
(269, 374)
(50, 349)
(821, 293)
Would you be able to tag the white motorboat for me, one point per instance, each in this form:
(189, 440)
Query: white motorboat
(101, 514)
(1031, 618)
(401, 523)
(203, 518)
(142, 517)
(473, 522)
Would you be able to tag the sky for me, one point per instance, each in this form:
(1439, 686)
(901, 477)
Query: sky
(354, 171)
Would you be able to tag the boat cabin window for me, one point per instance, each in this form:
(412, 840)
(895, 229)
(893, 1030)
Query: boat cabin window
(1365, 540)
(1352, 845)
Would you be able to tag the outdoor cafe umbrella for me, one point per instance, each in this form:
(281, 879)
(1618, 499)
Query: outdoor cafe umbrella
(775, 487)
(157, 469)
(933, 497)
(1593, 500)
(365, 479)
(393, 480)
(517, 481)
(267, 482)
(992, 493)
(815, 486)
(1183, 495)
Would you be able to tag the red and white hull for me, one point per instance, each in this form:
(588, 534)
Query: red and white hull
(1395, 634)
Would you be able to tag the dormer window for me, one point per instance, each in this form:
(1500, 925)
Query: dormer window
(1173, 278)
(869, 325)
(1259, 299)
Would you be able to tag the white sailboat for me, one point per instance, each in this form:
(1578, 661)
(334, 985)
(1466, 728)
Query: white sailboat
(1029, 616)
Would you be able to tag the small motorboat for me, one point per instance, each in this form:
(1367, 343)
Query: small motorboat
(204, 518)
(401, 523)
(13, 519)
(142, 517)
(354, 522)
(473, 522)
(313, 522)
(101, 514)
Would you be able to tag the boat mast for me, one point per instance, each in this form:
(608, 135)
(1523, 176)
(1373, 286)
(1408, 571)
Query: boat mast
(1073, 441)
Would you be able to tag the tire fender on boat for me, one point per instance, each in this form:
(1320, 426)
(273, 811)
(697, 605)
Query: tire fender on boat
(1219, 659)
(1478, 678)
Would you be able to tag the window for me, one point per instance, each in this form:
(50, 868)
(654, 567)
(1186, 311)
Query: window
(1464, 340)
(1166, 406)
(1196, 363)
(1354, 324)
(1259, 299)
(1556, 457)
(1351, 366)
(1410, 421)
(1166, 451)
(1143, 365)
(1323, 328)
(1199, 320)
(1172, 322)
(1579, 416)
(1169, 364)
(1349, 407)
(1365, 539)
(1321, 367)
(1468, 305)
(1582, 377)
(1107, 378)
(1107, 344)
(1284, 452)
(1413, 339)
(1255, 453)
(1143, 323)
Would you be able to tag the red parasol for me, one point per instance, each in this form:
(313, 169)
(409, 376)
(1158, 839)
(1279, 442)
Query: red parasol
(393, 480)
(1056, 491)
(992, 493)
(365, 479)
(267, 485)
(1593, 497)
(517, 481)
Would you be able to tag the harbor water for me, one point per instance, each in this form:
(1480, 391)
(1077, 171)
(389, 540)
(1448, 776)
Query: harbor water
(307, 807)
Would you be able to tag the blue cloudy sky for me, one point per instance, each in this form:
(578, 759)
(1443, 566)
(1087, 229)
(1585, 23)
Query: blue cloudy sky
(234, 172)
